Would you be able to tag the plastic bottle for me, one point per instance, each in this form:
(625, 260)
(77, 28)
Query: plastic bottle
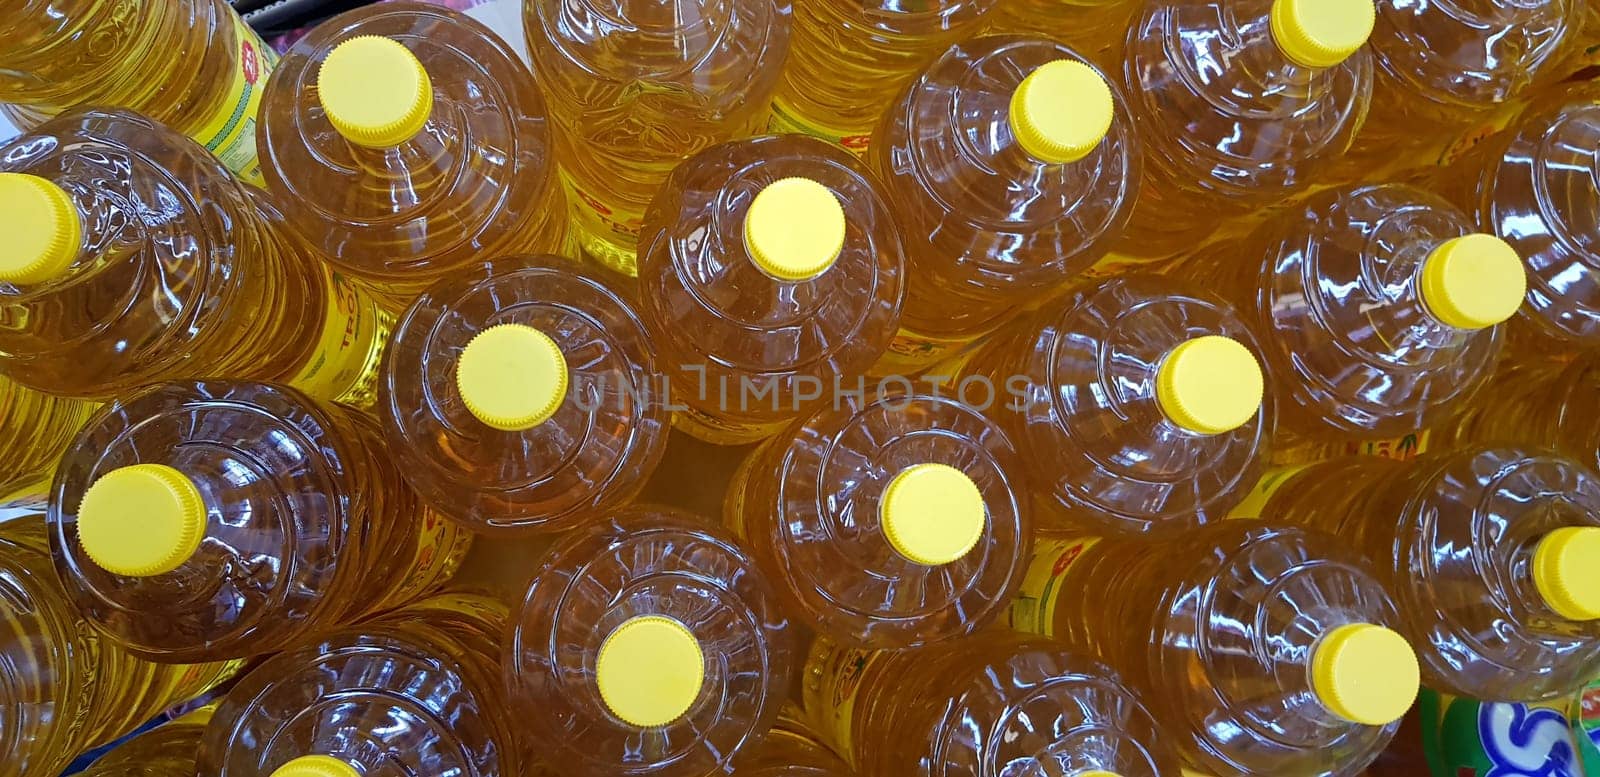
(638, 86)
(523, 394)
(648, 644)
(1493, 553)
(63, 690)
(1241, 104)
(1137, 404)
(415, 692)
(887, 523)
(1011, 166)
(1261, 648)
(1535, 186)
(167, 750)
(1536, 403)
(205, 520)
(1098, 28)
(790, 749)
(1379, 306)
(995, 704)
(849, 59)
(770, 271)
(136, 257)
(407, 141)
(35, 429)
(192, 65)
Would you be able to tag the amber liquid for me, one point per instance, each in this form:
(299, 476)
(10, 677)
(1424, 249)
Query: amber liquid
(35, 429)
(167, 751)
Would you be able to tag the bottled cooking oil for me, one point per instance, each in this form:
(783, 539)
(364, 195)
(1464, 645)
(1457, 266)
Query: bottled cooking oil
(414, 692)
(849, 59)
(1261, 648)
(1537, 186)
(770, 273)
(1241, 104)
(993, 705)
(648, 644)
(636, 87)
(888, 522)
(1011, 165)
(192, 65)
(35, 429)
(135, 257)
(1537, 403)
(63, 689)
(790, 749)
(1136, 404)
(1379, 306)
(407, 141)
(168, 750)
(1098, 28)
(524, 394)
(1494, 551)
(204, 520)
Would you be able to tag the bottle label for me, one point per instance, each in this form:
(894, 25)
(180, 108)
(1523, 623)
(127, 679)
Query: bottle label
(344, 365)
(840, 671)
(1034, 609)
(722, 431)
(1469, 738)
(1585, 716)
(441, 544)
(786, 120)
(1403, 448)
(229, 131)
(910, 352)
(1271, 480)
(597, 218)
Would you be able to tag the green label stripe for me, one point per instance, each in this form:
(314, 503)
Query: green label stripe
(233, 121)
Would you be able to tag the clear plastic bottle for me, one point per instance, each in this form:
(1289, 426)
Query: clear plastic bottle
(887, 523)
(1537, 186)
(204, 520)
(770, 271)
(1011, 166)
(1261, 648)
(416, 692)
(994, 705)
(1378, 305)
(638, 86)
(1137, 404)
(1492, 552)
(648, 644)
(35, 429)
(1536, 403)
(63, 689)
(192, 65)
(169, 750)
(849, 59)
(1240, 104)
(137, 257)
(790, 749)
(523, 394)
(1097, 28)
(407, 142)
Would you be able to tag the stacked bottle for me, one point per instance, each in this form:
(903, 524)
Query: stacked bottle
(35, 429)
(168, 749)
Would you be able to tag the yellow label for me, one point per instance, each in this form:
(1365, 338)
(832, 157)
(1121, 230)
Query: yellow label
(1403, 448)
(723, 431)
(787, 121)
(441, 544)
(840, 671)
(1034, 609)
(598, 218)
(229, 132)
(344, 365)
(1270, 482)
(910, 352)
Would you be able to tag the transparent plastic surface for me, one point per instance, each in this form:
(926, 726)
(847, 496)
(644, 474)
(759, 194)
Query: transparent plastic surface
(595, 453)
(169, 750)
(1098, 28)
(35, 429)
(987, 226)
(849, 59)
(648, 561)
(995, 705)
(1453, 537)
(808, 506)
(1075, 387)
(1216, 630)
(479, 180)
(1537, 403)
(1332, 286)
(790, 749)
(722, 324)
(64, 688)
(1230, 125)
(309, 525)
(1537, 186)
(415, 692)
(637, 86)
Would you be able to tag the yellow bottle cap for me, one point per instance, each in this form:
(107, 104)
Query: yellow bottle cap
(1473, 282)
(1210, 385)
(932, 514)
(1061, 111)
(1365, 673)
(1566, 570)
(1095, 773)
(316, 766)
(512, 377)
(375, 92)
(141, 520)
(41, 226)
(1321, 33)
(795, 229)
(650, 670)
